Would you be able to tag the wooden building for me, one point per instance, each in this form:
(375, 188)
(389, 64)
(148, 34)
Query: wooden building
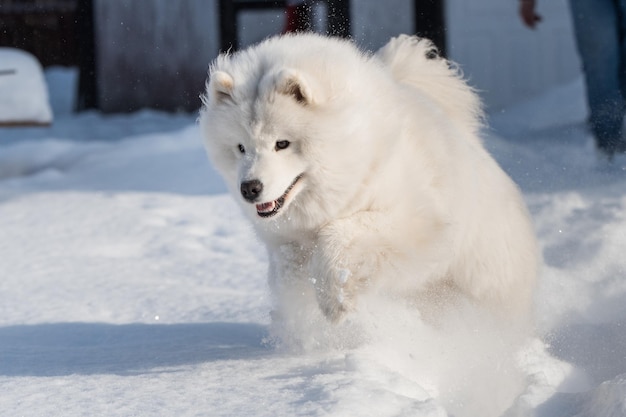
(134, 54)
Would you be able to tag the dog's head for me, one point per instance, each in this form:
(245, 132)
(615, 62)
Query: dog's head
(285, 127)
(259, 146)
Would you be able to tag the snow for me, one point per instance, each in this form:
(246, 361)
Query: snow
(23, 92)
(132, 286)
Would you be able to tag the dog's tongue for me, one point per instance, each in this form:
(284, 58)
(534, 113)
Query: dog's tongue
(265, 207)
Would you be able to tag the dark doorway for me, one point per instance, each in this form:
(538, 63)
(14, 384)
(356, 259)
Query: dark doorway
(430, 22)
(338, 18)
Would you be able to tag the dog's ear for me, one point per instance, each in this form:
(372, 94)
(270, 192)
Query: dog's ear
(291, 83)
(220, 86)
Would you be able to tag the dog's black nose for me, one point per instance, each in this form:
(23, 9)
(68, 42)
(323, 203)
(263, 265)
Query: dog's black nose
(250, 190)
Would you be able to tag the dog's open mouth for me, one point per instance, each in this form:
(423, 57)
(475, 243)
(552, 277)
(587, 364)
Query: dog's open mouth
(271, 208)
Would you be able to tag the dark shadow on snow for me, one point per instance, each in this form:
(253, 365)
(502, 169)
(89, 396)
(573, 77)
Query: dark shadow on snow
(95, 348)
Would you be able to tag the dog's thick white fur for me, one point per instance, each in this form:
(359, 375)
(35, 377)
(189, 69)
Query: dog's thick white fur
(365, 173)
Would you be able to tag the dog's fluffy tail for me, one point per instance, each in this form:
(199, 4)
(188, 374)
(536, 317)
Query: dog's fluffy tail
(415, 61)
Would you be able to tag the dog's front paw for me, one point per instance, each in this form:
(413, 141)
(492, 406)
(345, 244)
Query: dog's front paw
(334, 294)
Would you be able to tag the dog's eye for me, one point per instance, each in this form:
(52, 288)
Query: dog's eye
(241, 148)
(282, 144)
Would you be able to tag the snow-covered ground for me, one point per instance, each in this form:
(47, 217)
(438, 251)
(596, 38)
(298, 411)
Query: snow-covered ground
(130, 285)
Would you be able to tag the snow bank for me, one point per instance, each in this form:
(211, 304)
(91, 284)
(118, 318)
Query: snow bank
(23, 90)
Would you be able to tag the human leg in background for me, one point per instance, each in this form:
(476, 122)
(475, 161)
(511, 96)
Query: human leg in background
(598, 36)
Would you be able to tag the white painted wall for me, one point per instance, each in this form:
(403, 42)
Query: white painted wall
(506, 61)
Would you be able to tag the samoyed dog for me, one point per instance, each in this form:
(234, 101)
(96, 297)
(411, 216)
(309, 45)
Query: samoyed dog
(365, 174)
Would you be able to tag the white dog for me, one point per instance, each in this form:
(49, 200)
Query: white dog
(365, 173)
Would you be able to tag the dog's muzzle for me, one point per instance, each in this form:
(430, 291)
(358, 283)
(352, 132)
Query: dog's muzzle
(251, 190)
